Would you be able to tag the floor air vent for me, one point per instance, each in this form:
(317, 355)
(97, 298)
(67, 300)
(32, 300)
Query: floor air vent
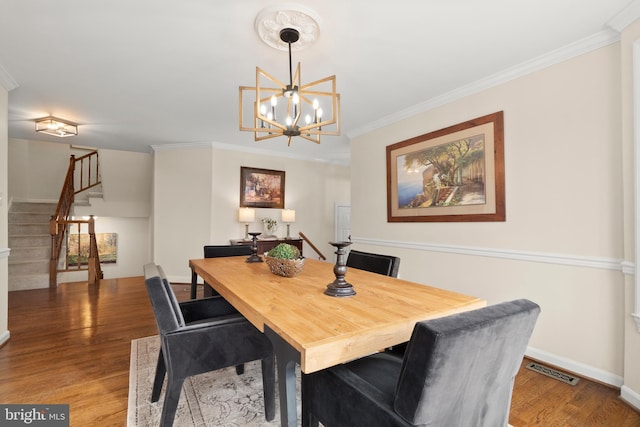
(552, 373)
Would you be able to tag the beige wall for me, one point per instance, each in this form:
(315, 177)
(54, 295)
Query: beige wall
(49, 160)
(562, 242)
(181, 208)
(4, 241)
(196, 199)
(631, 120)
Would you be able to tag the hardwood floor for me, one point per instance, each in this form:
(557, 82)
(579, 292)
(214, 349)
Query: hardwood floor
(72, 346)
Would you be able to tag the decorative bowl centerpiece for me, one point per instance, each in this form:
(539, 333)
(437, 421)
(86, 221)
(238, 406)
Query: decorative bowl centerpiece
(284, 260)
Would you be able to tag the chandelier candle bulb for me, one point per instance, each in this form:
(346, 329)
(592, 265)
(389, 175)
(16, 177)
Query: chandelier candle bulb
(274, 102)
(263, 111)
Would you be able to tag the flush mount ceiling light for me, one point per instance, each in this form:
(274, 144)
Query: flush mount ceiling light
(289, 109)
(56, 127)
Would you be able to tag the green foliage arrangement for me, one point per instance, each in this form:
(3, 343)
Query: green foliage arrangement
(284, 251)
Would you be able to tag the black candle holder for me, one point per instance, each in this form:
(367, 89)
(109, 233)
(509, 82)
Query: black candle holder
(254, 257)
(340, 287)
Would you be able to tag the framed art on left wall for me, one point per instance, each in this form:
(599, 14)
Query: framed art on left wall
(261, 188)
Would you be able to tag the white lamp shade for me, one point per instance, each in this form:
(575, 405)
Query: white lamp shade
(246, 215)
(288, 215)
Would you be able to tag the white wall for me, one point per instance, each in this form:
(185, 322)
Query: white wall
(132, 248)
(4, 240)
(37, 170)
(196, 200)
(562, 242)
(124, 210)
(126, 185)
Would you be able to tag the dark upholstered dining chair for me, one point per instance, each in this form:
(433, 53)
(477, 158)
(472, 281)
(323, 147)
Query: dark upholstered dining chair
(199, 336)
(458, 371)
(387, 265)
(376, 263)
(217, 251)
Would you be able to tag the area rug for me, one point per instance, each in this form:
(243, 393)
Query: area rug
(220, 398)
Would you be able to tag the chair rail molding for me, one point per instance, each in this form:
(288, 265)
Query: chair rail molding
(4, 252)
(543, 257)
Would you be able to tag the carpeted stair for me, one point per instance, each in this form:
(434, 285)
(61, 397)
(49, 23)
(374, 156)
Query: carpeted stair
(30, 245)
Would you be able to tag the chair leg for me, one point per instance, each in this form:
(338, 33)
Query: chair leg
(170, 406)
(269, 387)
(240, 369)
(161, 370)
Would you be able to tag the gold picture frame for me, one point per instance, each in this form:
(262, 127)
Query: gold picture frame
(453, 174)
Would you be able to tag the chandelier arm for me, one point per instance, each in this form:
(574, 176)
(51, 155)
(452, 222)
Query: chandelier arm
(324, 80)
(309, 138)
(270, 77)
(262, 138)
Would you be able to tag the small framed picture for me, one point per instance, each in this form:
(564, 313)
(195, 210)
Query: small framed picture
(261, 188)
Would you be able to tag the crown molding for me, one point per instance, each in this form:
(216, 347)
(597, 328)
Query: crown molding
(593, 42)
(625, 17)
(180, 146)
(6, 80)
(344, 161)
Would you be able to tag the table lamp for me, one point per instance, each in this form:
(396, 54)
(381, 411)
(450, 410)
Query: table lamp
(246, 215)
(288, 216)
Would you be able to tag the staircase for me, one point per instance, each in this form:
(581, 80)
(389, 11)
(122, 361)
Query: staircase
(30, 244)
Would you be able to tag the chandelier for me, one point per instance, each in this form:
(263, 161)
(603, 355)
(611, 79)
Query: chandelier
(289, 109)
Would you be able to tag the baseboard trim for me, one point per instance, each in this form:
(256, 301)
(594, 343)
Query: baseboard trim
(630, 396)
(4, 337)
(577, 368)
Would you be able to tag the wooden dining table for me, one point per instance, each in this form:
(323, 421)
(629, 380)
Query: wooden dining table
(318, 331)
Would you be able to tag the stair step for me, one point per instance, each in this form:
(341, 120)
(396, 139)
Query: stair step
(28, 229)
(29, 252)
(29, 217)
(49, 208)
(39, 240)
(28, 281)
(29, 267)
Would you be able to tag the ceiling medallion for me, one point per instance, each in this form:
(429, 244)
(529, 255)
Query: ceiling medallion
(271, 20)
(289, 109)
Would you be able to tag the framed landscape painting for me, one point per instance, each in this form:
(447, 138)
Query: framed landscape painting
(452, 174)
(78, 249)
(261, 188)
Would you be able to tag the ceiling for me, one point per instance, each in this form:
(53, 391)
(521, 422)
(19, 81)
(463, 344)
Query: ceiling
(143, 73)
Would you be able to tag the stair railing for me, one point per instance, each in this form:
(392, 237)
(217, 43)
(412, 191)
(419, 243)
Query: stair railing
(86, 167)
(306, 239)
